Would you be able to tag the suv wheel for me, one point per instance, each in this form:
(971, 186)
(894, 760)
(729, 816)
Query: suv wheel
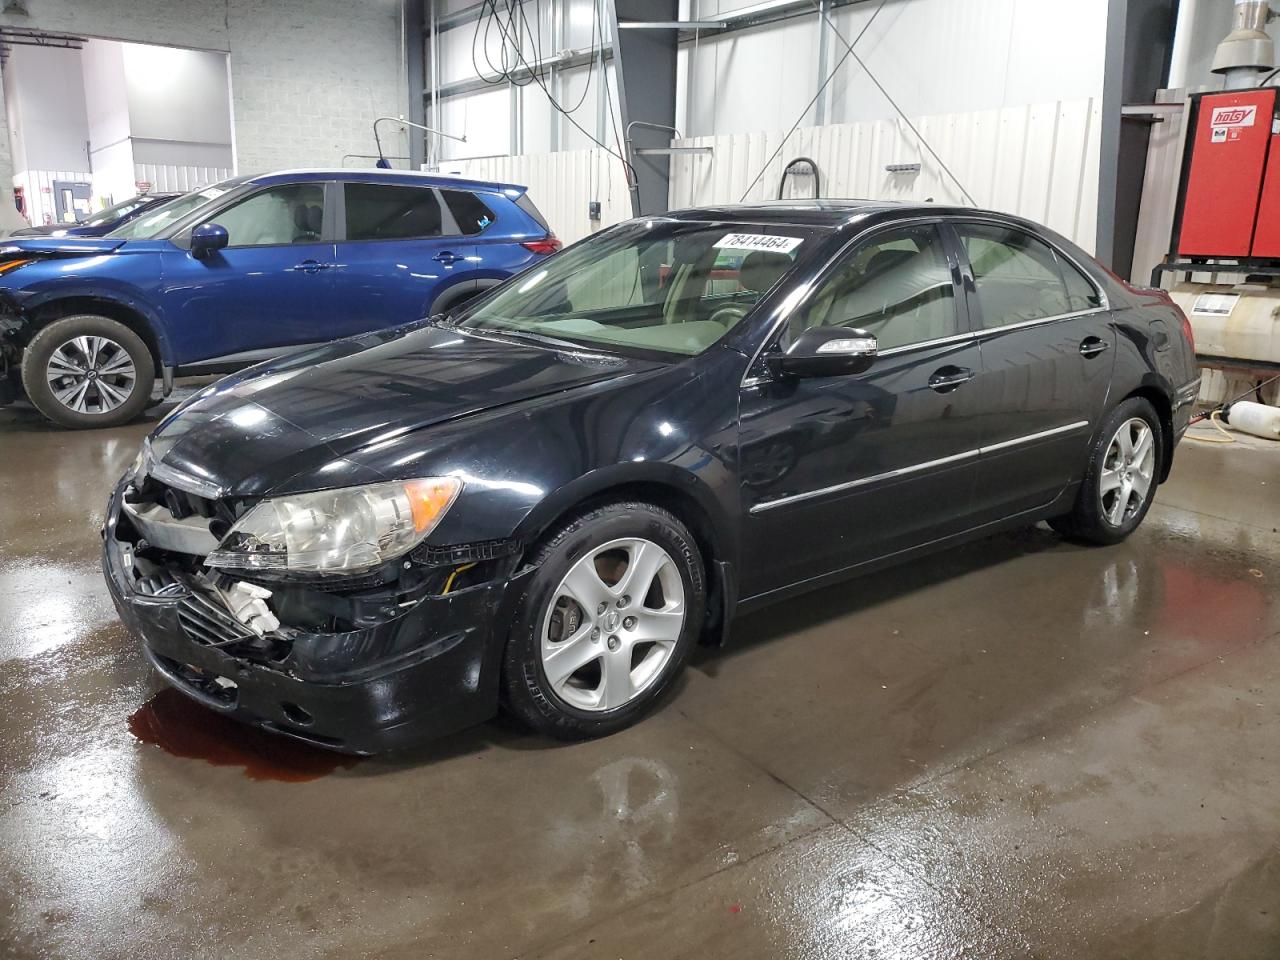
(88, 371)
(1122, 476)
(606, 623)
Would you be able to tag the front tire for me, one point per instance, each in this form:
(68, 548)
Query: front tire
(88, 371)
(606, 623)
(1121, 480)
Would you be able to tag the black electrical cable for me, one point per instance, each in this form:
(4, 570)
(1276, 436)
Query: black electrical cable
(1268, 77)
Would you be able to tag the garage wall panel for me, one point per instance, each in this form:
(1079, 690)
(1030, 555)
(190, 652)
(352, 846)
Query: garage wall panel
(307, 77)
(1038, 161)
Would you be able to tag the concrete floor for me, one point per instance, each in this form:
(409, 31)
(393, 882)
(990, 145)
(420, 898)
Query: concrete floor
(1018, 748)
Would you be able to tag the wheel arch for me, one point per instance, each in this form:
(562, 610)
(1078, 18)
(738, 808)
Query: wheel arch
(42, 314)
(671, 488)
(458, 291)
(1158, 396)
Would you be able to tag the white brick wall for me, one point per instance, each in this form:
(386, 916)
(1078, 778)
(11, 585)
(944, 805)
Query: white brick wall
(308, 77)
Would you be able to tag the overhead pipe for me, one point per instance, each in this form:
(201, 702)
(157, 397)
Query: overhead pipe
(383, 162)
(1248, 49)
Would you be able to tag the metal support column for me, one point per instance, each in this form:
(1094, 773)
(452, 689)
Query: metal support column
(415, 75)
(645, 61)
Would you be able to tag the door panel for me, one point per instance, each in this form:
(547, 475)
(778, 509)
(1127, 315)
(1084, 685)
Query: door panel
(837, 471)
(270, 287)
(400, 249)
(895, 457)
(1047, 353)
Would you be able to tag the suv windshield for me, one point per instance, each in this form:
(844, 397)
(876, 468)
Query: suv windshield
(669, 286)
(167, 214)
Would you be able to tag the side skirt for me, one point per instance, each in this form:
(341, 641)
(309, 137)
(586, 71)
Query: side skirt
(1060, 505)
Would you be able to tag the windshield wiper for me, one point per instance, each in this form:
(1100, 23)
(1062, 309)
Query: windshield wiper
(537, 338)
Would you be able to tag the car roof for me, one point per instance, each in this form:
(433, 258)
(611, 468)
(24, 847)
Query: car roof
(832, 213)
(375, 175)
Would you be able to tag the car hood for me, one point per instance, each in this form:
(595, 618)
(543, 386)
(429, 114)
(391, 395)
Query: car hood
(57, 246)
(296, 420)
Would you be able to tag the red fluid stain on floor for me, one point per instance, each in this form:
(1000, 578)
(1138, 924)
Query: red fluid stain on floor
(180, 726)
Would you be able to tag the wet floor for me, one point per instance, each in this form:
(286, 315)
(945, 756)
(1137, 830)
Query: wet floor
(1018, 748)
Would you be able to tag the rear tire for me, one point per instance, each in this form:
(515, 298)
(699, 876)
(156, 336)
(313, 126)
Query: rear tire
(606, 623)
(1121, 480)
(87, 371)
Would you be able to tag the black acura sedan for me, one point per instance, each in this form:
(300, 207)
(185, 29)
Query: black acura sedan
(545, 501)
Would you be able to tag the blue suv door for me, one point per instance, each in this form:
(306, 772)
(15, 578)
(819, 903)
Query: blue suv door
(399, 248)
(269, 288)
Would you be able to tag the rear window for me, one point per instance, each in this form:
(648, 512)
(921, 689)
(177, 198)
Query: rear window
(468, 210)
(525, 204)
(377, 211)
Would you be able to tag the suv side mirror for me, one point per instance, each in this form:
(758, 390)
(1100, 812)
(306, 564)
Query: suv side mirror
(826, 352)
(208, 237)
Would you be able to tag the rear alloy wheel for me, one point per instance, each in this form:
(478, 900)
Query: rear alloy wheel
(607, 621)
(88, 371)
(1121, 479)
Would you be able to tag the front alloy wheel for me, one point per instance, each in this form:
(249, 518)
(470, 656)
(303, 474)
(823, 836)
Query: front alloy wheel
(88, 371)
(614, 605)
(91, 374)
(1127, 472)
(613, 624)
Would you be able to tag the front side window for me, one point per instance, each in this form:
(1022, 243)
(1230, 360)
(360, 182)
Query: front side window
(293, 213)
(664, 286)
(1020, 278)
(897, 286)
(379, 211)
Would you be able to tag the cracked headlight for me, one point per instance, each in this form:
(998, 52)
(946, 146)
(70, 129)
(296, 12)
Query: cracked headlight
(337, 531)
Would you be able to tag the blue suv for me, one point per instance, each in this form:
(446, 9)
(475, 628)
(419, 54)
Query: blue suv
(243, 271)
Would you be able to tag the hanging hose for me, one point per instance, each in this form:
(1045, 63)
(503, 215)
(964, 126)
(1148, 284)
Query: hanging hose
(787, 171)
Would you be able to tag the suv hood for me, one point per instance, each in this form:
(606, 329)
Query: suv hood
(299, 417)
(19, 247)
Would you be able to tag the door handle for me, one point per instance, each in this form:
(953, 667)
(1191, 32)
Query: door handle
(1092, 346)
(311, 266)
(946, 379)
(446, 257)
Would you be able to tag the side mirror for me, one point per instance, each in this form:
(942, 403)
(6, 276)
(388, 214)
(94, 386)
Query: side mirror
(206, 238)
(826, 352)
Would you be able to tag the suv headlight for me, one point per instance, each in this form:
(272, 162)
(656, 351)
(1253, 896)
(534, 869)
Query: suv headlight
(337, 531)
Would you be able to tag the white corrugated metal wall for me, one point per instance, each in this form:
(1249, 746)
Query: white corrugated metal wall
(37, 187)
(1039, 161)
(166, 177)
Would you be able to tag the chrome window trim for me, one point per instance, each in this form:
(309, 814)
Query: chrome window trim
(918, 467)
(1103, 307)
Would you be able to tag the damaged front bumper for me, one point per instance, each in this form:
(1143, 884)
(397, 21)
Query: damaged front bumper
(428, 669)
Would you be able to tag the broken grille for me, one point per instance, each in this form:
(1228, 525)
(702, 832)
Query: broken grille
(206, 622)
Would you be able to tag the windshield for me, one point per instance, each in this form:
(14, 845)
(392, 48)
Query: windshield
(165, 215)
(658, 285)
(115, 212)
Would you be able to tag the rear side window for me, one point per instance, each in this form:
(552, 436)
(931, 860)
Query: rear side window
(377, 211)
(468, 210)
(525, 204)
(1021, 278)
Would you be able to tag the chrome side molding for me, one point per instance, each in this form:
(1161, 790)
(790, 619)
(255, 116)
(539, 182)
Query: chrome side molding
(917, 467)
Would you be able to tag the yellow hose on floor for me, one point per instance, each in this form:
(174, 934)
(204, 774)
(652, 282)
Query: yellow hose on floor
(1215, 419)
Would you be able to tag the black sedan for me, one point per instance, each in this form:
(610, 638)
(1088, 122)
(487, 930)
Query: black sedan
(104, 221)
(545, 501)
